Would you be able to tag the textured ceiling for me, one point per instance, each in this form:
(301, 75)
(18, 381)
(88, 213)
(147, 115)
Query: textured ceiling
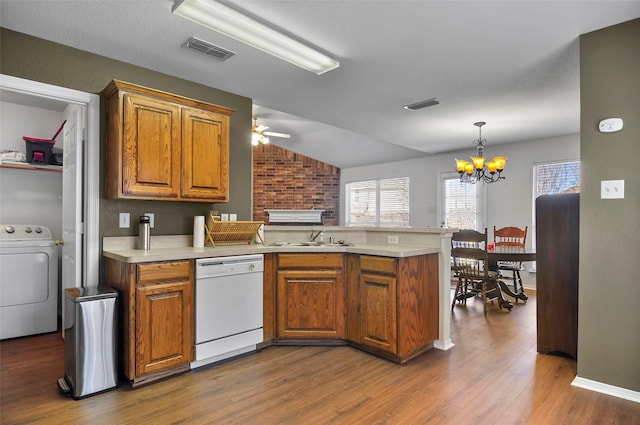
(513, 64)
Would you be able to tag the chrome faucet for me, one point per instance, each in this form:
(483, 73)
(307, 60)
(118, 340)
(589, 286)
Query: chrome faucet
(319, 234)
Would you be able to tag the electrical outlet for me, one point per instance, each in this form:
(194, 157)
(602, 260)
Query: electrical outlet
(124, 220)
(392, 239)
(151, 219)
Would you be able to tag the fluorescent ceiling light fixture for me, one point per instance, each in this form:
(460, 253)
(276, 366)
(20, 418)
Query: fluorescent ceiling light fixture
(230, 22)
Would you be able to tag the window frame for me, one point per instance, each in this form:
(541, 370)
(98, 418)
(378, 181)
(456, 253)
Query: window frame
(480, 199)
(535, 193)
(378, 208)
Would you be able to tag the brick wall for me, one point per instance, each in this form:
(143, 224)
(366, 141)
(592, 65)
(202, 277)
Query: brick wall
(285, 180)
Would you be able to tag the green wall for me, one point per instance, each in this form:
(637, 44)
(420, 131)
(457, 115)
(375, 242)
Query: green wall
(609, 287)
(44, 61)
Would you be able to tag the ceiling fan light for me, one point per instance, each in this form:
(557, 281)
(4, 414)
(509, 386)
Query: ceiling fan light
(230, 22)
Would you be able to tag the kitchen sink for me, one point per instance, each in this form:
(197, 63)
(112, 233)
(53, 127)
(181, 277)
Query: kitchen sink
(296, 244)
(309, 244)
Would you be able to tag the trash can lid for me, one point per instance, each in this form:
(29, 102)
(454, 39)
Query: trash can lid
(87, 293)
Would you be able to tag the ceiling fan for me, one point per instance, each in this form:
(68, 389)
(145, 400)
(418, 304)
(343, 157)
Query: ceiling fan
(259, 135)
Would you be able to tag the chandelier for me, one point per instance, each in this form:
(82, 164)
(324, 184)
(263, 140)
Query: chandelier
(479, 169)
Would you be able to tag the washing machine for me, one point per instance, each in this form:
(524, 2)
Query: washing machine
(28, 281)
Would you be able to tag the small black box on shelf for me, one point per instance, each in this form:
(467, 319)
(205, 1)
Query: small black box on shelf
(39, 151)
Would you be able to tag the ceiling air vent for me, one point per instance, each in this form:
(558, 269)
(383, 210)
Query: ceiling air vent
(208, 48)
(422, 104)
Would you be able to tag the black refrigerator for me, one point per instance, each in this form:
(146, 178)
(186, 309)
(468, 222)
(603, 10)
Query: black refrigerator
(557, 248)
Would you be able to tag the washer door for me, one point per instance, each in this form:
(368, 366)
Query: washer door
(24, 278)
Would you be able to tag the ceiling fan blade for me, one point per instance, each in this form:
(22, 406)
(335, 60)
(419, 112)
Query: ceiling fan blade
(261, 128)
(272, 134)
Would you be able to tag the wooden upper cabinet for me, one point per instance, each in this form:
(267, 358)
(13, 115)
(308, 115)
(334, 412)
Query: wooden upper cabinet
(166, 147)
(205, 155)
(151, 147)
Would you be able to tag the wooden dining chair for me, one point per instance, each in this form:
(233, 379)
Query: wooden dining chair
(511, 237)
(470, 265)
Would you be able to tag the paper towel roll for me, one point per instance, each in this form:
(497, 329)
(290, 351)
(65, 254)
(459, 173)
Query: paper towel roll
(198, 231)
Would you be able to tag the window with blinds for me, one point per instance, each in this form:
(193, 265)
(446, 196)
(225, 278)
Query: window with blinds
(460, 207)
(382, 202)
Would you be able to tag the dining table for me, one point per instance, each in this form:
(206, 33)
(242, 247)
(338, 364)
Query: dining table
(509, 253)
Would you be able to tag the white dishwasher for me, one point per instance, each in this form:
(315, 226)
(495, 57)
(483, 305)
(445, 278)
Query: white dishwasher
(228, 307)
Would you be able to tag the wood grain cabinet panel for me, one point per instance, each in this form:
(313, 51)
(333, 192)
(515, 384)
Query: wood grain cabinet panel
(151, 148)
(164, 330)
(310, 298)
(205, 169)
(156, 323)
(393, 304)
(310, 304)
(165, 147)
(378, 327)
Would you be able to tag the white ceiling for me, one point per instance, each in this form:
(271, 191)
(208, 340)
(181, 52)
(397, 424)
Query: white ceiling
(513, 64)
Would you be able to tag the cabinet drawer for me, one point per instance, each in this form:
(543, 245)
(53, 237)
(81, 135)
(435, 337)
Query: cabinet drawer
(310, 261)
(163, 272)
(378, 264)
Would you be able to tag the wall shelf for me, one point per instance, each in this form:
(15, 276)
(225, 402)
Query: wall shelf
(32, 167)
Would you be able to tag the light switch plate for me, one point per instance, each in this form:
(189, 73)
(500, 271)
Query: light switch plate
(124, 220)
(612, 189)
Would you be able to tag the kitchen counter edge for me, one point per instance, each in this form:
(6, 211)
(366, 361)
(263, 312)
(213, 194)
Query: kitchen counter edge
(184, 253)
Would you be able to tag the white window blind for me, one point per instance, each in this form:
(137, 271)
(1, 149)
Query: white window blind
(460, 207)
(378, 202)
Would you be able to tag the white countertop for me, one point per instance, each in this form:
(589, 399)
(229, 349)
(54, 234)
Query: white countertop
(169, 253)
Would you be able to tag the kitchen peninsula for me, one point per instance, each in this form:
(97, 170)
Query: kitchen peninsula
(382, 290)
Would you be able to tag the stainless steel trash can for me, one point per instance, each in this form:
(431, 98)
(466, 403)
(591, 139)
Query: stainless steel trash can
(90, 340)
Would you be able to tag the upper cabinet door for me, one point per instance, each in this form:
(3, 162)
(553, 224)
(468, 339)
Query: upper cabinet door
(166, 147)
(151, 147)
(205, 155)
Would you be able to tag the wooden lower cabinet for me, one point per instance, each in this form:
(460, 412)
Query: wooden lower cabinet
(383, 305)
(392, 304)
(308, 295)
(310, 304)
(377, 317)
(156, 323)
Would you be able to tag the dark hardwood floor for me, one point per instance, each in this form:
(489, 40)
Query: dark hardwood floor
(492, 376)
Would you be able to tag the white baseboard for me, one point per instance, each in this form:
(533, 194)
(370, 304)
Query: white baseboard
(611, 390)
(443, 345)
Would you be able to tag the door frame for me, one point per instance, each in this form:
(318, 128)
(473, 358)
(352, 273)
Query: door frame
(91, 163)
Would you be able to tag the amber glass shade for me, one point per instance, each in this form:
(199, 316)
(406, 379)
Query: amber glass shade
(460, 165)
(468, 168)
(491, 166)
(500, 162)
(478, 162)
